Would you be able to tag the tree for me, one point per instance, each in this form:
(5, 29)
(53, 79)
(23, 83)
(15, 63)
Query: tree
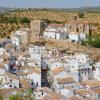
(24, 20)
(94, 41)
(29, 93)
(83, 42)
(15, 97)
(1, 97)
(81, 15)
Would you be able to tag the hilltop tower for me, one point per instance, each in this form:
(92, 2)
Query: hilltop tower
(37, 28)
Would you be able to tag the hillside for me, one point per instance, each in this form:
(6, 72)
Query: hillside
(13, 19)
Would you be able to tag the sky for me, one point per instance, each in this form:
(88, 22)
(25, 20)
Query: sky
(48, 3)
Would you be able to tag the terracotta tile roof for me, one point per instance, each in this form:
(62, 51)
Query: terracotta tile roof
(24, 83)
(82, 92)
(65, 80)
(1, 65)
(24, 29)
(12, 76)
(57, 70)
(55, 25)
(2, 39)
(92, 83)
(96, 91)
(5, 62)
(52, 96)
(74, 98)
(77, 33)
(67, 87)
(27, 67)
(5, 91)
(9, 46)
(78, 21)
(34, 70)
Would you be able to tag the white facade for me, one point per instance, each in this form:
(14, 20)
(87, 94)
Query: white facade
(80, 63)
(56, 65)
(40, 50)
(77, 36)
(20, 36)
(36, 77)
(97, 71)
(16, 40)
(55, 33)
(2, 71)
(73, 37)
(66, 93)
(36, 57)
(82, 36)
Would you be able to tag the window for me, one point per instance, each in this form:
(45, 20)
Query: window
(37, 84)
(55, 36)
(10, 85)
(85, 73)
(88, 72)
(32, 83)
(77, 29)
(70, 27)
(78, 74)
(80, 27)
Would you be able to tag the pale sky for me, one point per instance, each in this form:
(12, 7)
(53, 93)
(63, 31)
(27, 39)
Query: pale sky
(49, 3)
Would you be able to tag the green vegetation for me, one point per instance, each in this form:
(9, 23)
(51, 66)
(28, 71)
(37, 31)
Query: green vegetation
(19, 18)
(81, 15)
(92, 41)
(24, 95)
(13, 19)
(1, 97)
(15, 97)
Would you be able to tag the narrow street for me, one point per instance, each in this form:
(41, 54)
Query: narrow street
(44, 80)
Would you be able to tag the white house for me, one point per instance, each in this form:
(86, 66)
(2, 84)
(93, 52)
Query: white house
(21, 36)
(9, 78)
(66, 93)
(73, 36)
(6, 65)
(36, 50)
(13, 79)
(33, 73)
(2, 72)
(2, 51)
(59, 78)
(97, 71)
(55, 31)
(16, 40)
(82, 36)
(56, 64)
(80, 64)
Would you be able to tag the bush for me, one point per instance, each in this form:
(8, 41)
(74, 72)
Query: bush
(81, 15)
(94, 41)
(83, 42)
(15, 97)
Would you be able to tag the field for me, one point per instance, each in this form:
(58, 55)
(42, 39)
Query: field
(13, 20)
